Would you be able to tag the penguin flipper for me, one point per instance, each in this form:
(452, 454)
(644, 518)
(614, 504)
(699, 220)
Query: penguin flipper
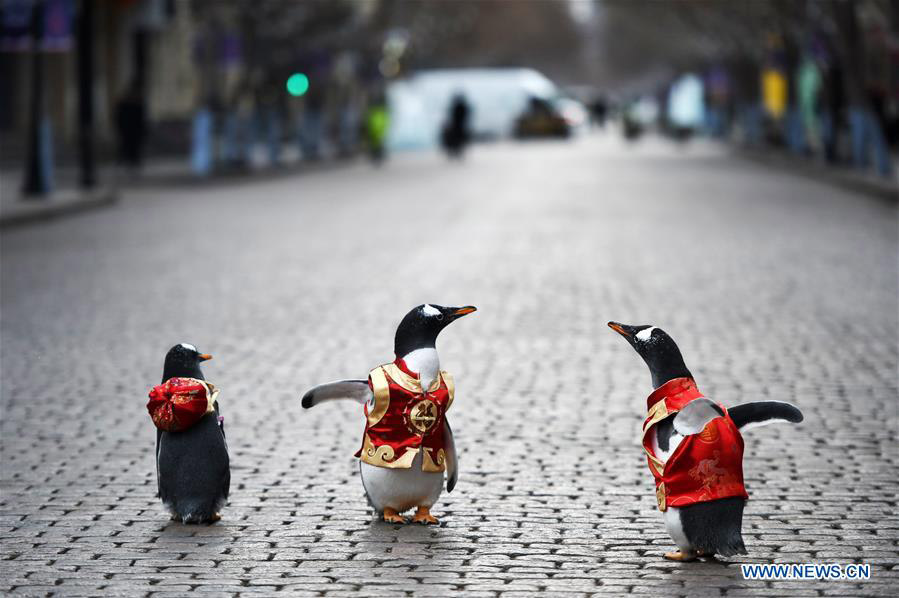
(158, 440)
(694, 416)
(452, 464)
(355, 390)
(762, 413)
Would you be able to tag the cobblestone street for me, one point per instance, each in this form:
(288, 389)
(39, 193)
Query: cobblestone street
(775, 287)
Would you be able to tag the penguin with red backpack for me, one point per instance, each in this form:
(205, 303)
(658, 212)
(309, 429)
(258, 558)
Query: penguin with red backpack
(192, 464)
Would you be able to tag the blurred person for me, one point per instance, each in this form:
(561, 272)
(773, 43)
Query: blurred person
(131, 126)
(808, 93)
(774, 102)
(747, 95)
(269, 114)
(348, 124)
(312, 123)
(833, 106)
(456, 134)
(632, 127)
(717, 101)
(872, 112)
(869, 145)
(598, 110)
(237, 135)
(201, 156)
(774, 92)
(377, 124)
(685, 108)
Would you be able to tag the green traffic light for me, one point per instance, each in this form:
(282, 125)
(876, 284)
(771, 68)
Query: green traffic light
(297, 84)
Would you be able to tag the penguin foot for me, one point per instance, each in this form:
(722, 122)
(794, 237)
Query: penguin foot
(680, 556)
(391, 516)
(423, 515)
(215, 517)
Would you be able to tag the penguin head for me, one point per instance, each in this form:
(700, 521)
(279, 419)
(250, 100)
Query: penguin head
(183, 360)
(420, 327)
(657, 349)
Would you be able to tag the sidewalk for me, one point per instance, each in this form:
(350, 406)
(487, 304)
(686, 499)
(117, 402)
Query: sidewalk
(845, 177)
(66, 198)
(160, 172)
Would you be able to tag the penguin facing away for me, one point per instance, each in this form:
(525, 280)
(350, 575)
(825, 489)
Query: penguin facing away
(694, 450)
(192, 464)
(407, 446)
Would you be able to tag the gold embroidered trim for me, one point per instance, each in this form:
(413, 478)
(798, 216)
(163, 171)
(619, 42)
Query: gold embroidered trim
(408, 382)
(660, 497)
(213, 397)
(382, 395)
(383, 456)
(212, 393)
(450, 387)
(658, 466)
(657, 412)
(428, 464)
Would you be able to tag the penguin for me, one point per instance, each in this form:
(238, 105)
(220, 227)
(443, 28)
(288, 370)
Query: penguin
(392, 396)
(192, 466)
(708, 527)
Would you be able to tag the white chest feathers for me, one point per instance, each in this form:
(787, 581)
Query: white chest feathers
(425, 363)
(673, 442)
(401, 489)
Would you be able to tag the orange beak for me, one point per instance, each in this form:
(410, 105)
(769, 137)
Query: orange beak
(462, 311)
(205, 356)
(619, 329)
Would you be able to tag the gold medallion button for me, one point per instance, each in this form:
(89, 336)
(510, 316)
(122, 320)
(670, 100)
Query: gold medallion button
(423, 415)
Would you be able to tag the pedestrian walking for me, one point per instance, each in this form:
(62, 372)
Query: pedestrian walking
(131, 126)
(456, 134)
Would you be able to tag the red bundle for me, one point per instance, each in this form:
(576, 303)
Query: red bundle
(178, 404)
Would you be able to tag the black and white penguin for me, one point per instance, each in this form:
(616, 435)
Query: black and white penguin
(703, 528)
(391, 491)
(192, 466)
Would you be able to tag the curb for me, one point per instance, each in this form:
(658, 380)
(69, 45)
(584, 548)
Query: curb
(186, 179)
(62, 204)
(847, 179)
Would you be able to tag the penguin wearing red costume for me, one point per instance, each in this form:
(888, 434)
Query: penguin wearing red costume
(407, 446)
(192, 464)
(694, 450)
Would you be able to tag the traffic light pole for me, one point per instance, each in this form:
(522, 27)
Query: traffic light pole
(37, 176)
(86, 94)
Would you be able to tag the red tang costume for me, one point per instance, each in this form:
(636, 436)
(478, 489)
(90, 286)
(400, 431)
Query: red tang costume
(404, 419)
(179, 403)
(705, 466)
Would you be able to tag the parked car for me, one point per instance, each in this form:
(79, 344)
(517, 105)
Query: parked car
(550, 117)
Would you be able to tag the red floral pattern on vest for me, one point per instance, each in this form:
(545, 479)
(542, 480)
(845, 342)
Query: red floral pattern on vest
(705, 466)
(403, 419)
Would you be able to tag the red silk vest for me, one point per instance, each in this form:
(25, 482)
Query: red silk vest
(179, 403)
(403, 419)
(705, 466)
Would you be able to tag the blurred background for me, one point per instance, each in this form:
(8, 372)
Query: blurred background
(189, 88)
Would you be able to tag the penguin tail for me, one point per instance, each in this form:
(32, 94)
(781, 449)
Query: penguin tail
(714, 527)
(731, 546)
